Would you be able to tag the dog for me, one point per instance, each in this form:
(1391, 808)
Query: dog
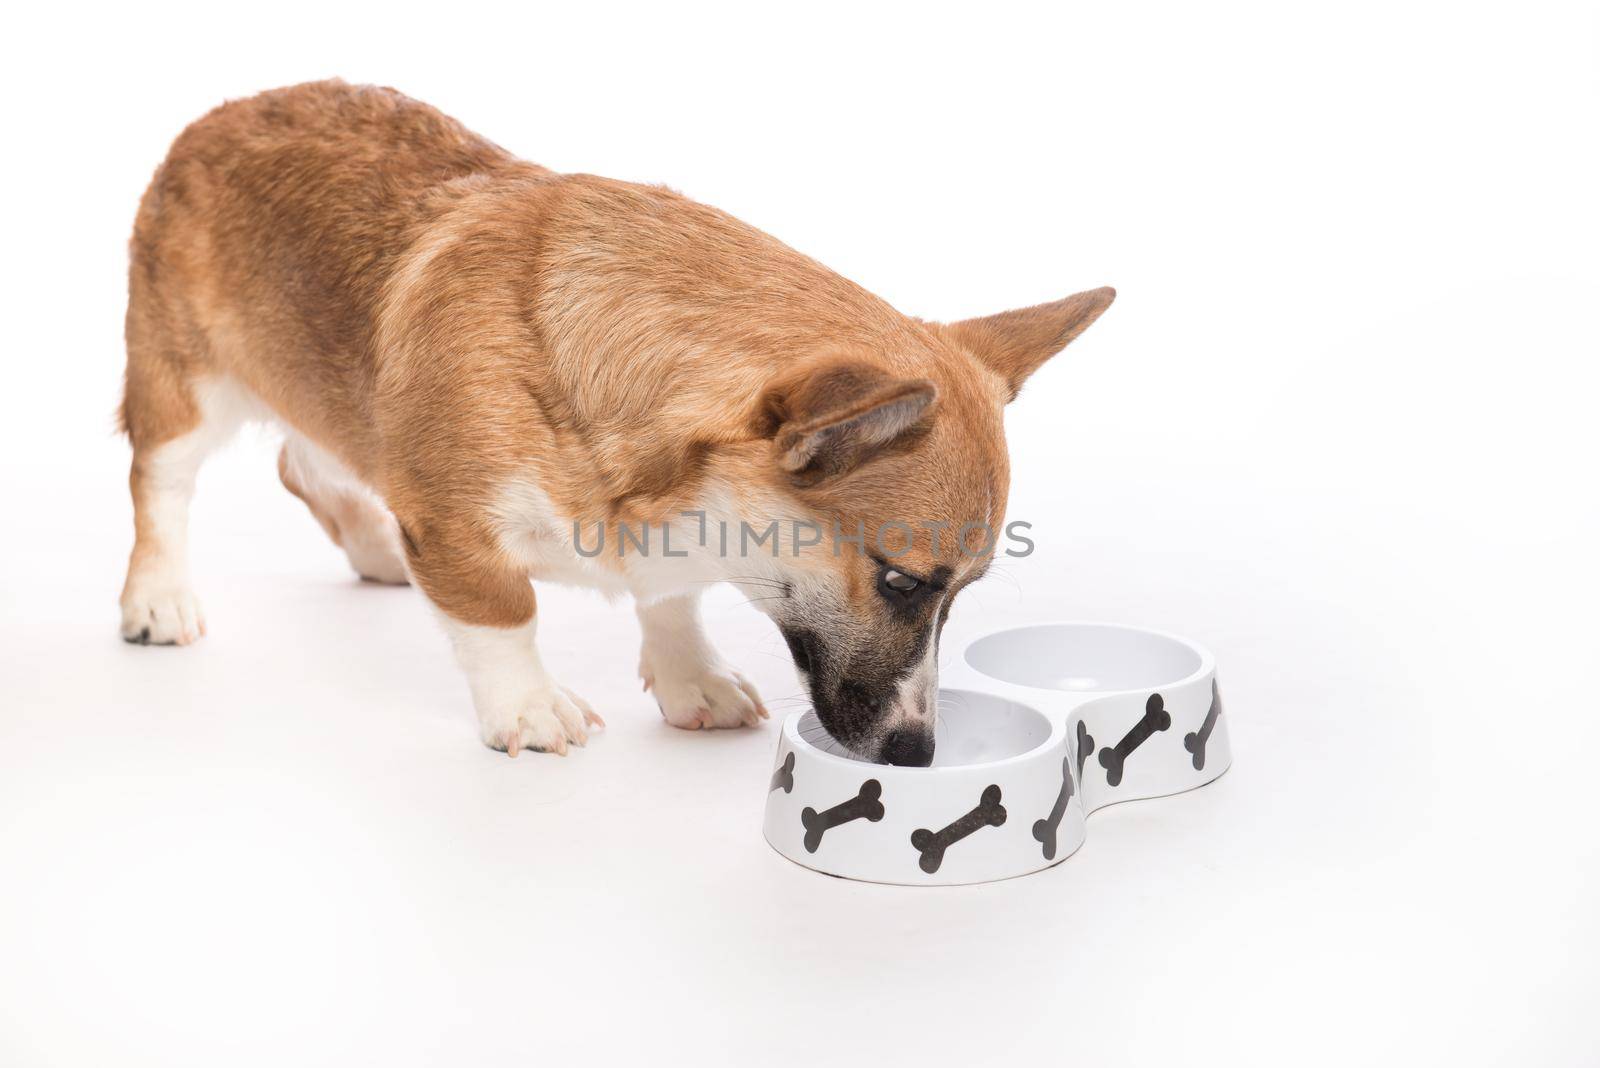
(482, 367)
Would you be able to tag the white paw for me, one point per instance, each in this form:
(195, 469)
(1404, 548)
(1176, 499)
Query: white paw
(546, 721)
(161, 613)
(696, 696)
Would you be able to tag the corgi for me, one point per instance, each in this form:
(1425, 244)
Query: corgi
(485, 369)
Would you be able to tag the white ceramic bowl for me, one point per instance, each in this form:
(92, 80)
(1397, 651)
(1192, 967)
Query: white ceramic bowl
(1038, 727)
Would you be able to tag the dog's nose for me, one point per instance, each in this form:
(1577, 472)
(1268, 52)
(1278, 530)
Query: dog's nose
(908, 748)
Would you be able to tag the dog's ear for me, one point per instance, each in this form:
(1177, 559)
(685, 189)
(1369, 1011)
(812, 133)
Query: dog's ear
(832, 419)
(1014, 343)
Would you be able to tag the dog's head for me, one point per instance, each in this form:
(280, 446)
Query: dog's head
(898, 462)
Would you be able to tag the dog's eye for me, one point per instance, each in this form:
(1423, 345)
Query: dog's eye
(898, 582)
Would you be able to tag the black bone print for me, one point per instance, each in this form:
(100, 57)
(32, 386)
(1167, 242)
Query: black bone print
(989, 812)
(784, 776)
(1195, 741)
(1045, 830)
(1155, 718)
(1085, 746)
(865, 805)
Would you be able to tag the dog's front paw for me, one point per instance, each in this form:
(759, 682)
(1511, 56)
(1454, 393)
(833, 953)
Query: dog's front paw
(545, 721)
(695, 696)
(161, 613)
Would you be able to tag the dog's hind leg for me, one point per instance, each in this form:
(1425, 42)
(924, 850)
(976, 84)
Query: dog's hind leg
(174, 424)
(351, 513)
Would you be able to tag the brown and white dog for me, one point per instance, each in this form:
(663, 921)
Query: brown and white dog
(476, 360)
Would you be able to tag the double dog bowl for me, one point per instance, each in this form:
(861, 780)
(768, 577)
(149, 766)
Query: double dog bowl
(1038, 727)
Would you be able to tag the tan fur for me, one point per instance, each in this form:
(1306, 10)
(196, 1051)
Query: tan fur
(442, 317)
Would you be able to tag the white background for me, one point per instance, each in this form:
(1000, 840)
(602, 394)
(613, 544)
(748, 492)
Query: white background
(1339, 426)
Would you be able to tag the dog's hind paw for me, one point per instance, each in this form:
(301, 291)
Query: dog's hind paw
(161, 614)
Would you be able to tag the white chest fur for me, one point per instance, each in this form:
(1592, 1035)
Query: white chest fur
(682, 553)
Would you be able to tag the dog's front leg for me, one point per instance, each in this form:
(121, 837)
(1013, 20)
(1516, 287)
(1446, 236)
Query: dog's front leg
(693, 686)
(489, 611)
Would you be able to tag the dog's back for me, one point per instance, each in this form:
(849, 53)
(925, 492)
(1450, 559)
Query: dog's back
(263, 244)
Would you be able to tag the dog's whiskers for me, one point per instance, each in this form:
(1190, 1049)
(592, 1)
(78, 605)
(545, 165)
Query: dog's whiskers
(769, 597)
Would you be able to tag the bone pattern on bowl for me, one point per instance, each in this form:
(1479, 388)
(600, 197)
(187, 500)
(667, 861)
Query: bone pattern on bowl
(864, 806)
(1045, 829)
(988, 812)
(1195, 742)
